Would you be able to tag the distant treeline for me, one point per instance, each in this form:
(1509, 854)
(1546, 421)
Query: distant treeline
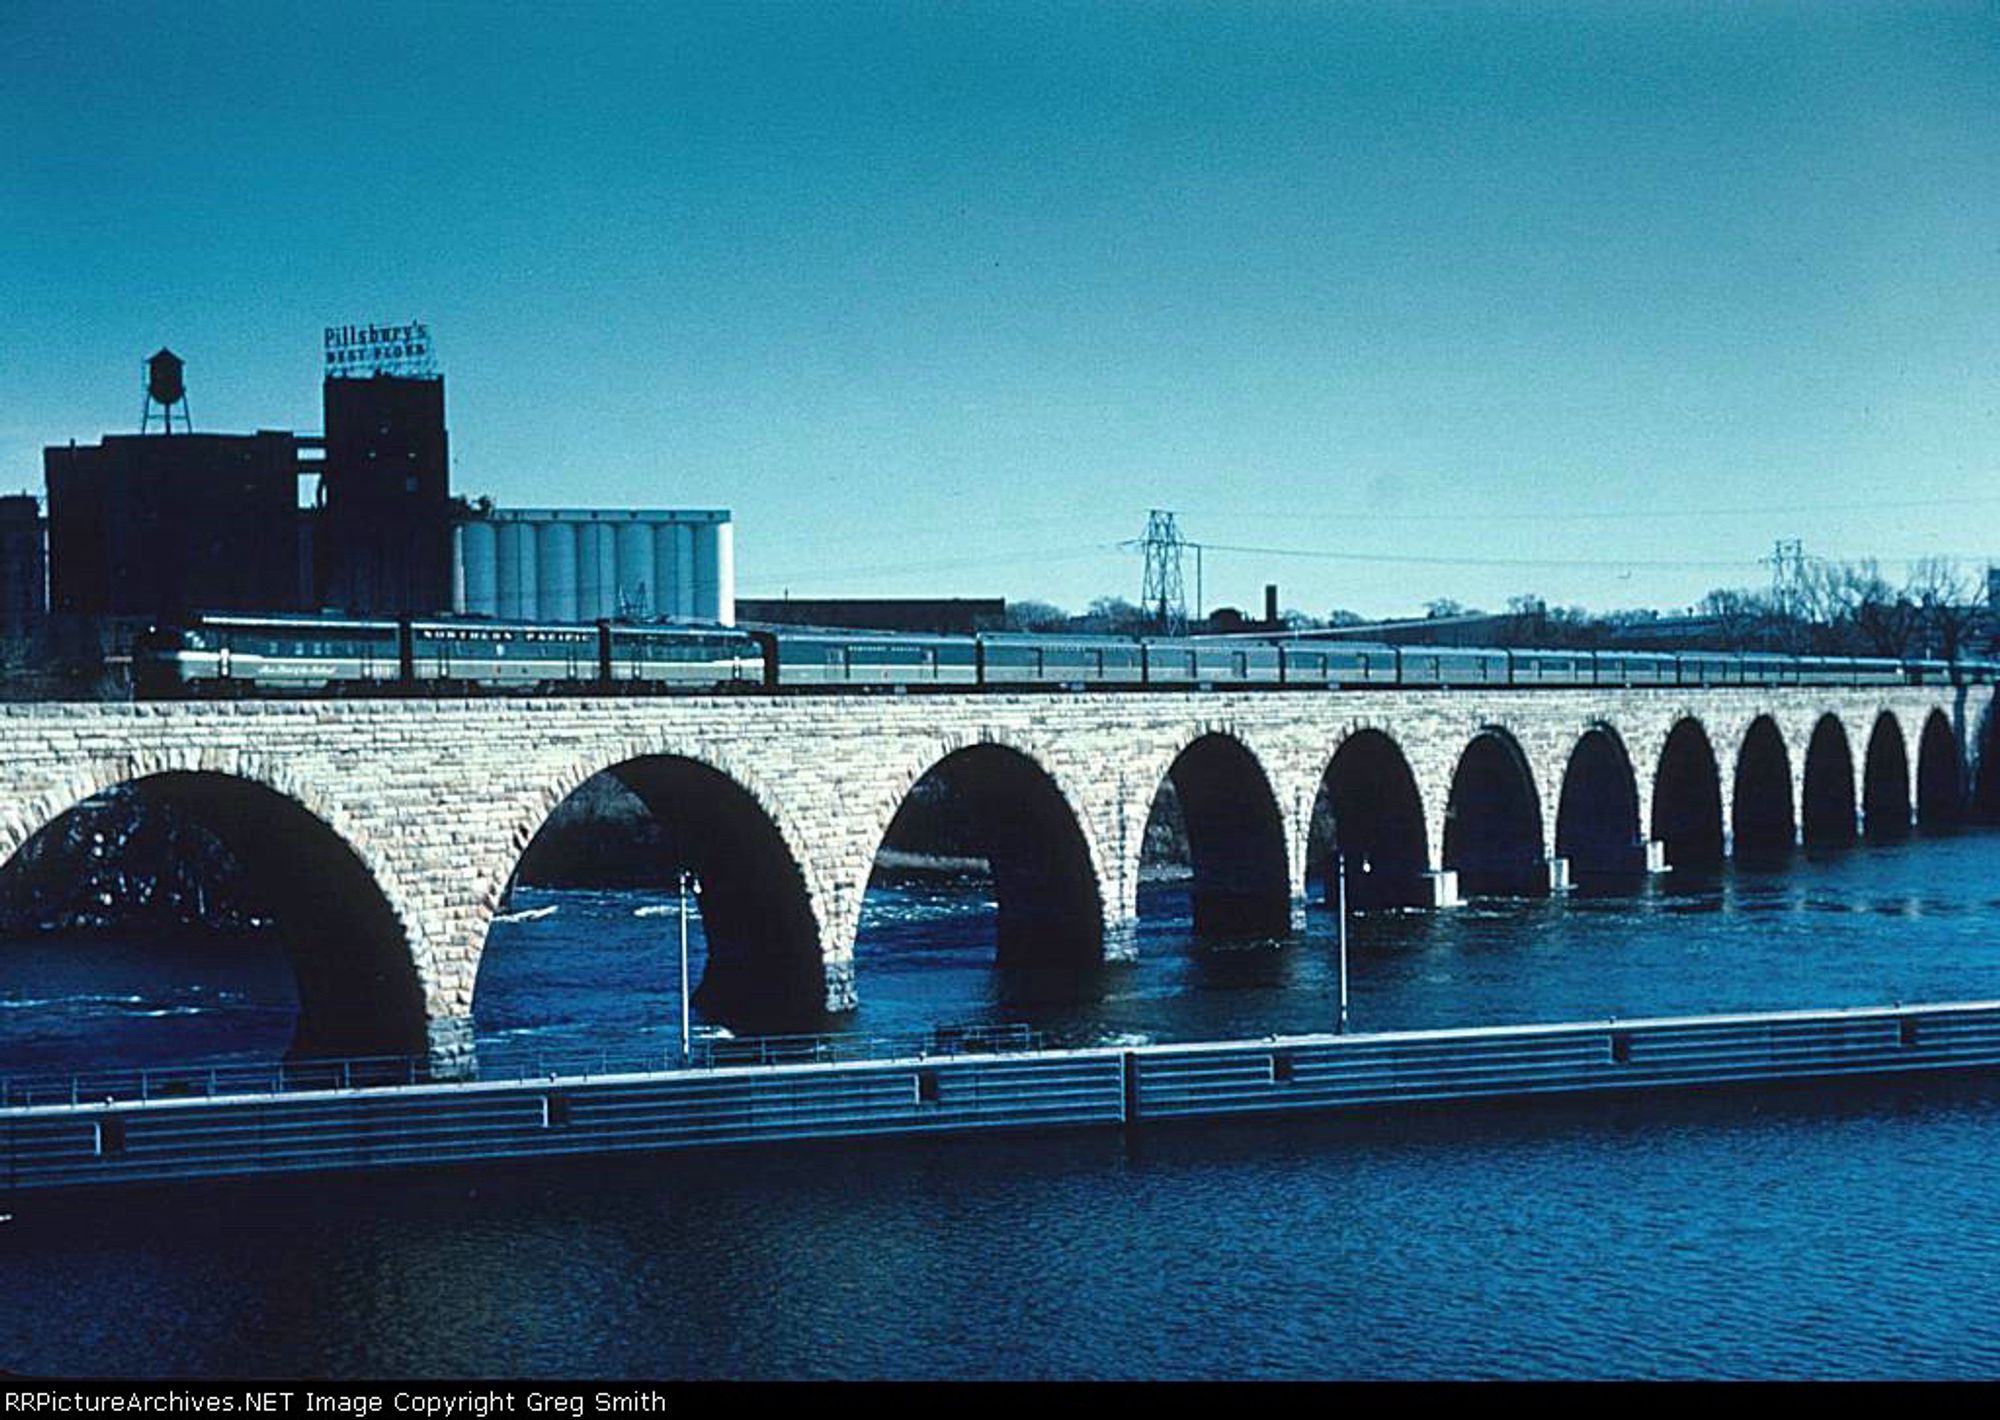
(1940, 610)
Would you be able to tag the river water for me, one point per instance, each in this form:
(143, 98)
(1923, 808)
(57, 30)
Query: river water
(1850, 1231)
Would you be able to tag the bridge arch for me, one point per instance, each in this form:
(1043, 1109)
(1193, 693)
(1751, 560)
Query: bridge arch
(1763, 827)
(362, 989)
(1940, 773)
(1368, 809)
(1885, 781)
(1597, 815)
(765, 970)
(1493, 820)
(1011, 811)
(1235, 833)
(1828, 812)
(1985, 773)
(1687, 798)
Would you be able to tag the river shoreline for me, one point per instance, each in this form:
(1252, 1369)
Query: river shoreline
(900, 864)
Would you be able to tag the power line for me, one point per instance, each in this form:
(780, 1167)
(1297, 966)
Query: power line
(1024, 560)
(1420, 560)
(1375, 515)
(1623, 564)
(1027, 561)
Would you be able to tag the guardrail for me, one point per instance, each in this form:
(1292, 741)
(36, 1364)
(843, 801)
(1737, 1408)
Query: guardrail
(501, 1064)
(926, 1085)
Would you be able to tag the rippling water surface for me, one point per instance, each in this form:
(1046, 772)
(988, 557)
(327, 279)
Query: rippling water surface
(1851, 1231)
(1802, 1233)
(1909, 922)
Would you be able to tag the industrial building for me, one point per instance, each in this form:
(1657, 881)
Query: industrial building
(583, 564)
(24, 587)
(156, 523)
(954, 616)
(381, 536)
(359, 519)
(151, 524)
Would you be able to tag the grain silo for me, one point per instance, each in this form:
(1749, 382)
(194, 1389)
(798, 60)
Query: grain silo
(580, 564)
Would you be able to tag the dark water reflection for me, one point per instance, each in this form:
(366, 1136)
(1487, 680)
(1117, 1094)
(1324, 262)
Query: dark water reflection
(1795, 1233)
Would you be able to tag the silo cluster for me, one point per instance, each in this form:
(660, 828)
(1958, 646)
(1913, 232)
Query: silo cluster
(580, 564)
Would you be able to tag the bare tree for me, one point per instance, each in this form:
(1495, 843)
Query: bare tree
(1881, 620)
(1117, 617)
(1527, 622)
(1946, 600)
(1036, 616)
(1739, 616)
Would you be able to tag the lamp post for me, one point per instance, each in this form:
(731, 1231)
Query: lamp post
(1340, 859)
(688, 883)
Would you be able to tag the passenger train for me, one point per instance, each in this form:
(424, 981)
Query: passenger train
(250, 655)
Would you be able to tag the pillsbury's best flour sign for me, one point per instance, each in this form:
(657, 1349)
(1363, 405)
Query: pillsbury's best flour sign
(358, 351)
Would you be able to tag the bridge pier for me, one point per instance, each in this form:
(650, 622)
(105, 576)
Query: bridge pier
(841, 995)
(1557, 869)
(449, 1048)
(1440, 887)
(1121, 940)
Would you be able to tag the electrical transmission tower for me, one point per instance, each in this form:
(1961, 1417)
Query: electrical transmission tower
(1788, 577)
(1162, 595)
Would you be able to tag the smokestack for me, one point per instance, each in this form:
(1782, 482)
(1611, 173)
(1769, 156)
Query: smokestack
(1270, 603)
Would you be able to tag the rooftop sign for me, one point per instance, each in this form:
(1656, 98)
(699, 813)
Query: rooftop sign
(358, 351)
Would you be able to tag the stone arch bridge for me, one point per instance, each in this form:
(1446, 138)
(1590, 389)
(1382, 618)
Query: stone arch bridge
(391, 829)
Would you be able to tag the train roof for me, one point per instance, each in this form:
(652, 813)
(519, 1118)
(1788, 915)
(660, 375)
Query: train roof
(280, 620)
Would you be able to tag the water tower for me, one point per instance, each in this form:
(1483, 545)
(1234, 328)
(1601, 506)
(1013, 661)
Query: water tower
(166, 391)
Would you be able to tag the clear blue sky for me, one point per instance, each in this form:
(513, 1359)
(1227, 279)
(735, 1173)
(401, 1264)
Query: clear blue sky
(941, 298)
